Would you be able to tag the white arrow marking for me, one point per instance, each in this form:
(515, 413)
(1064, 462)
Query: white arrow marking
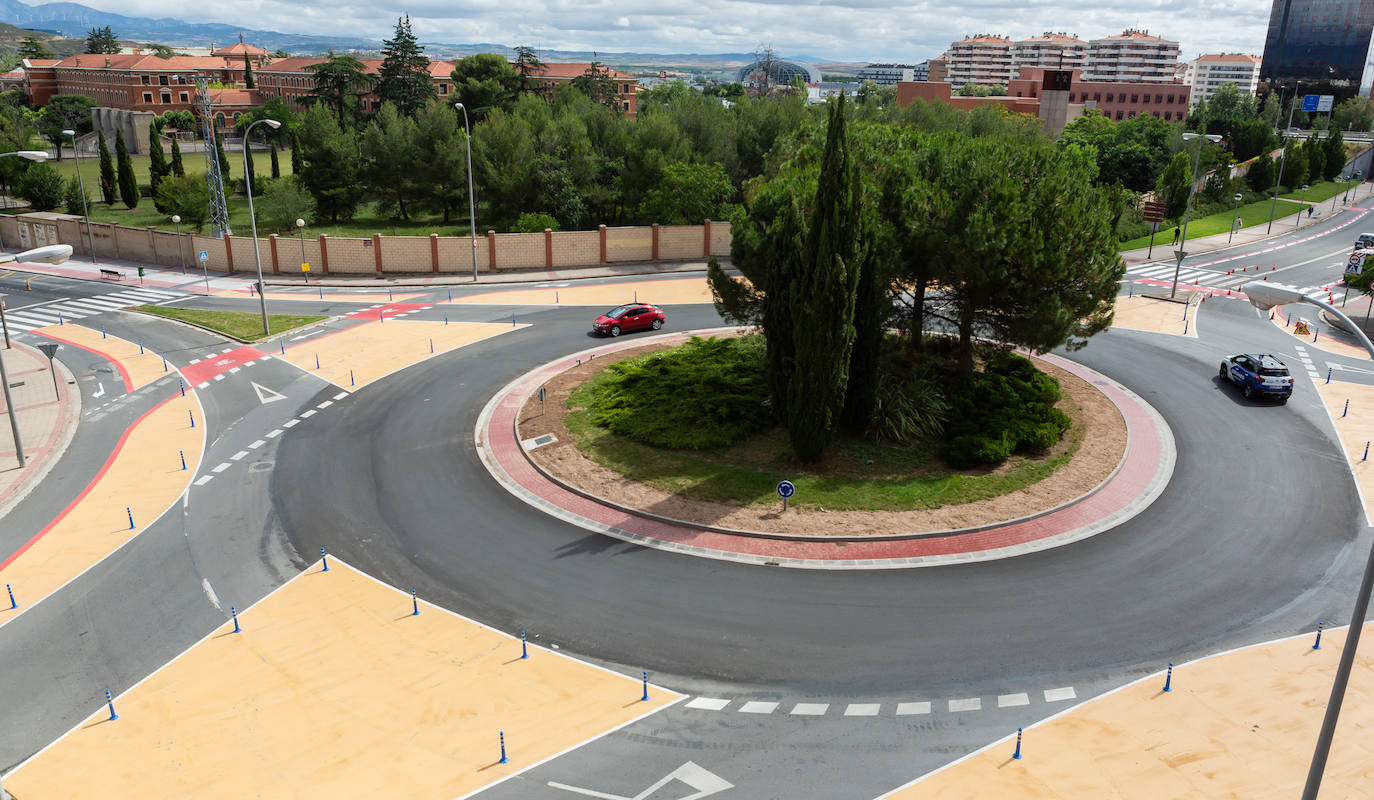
(266, 395)
(100, 391)
(705, 782)
(1344, 368)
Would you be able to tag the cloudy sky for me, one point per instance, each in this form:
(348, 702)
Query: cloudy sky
(841, 30)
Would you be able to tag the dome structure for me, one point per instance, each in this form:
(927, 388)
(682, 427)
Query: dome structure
(782, 72)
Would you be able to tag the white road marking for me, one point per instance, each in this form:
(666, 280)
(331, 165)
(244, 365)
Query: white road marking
(221, 466)
(810, 709)
(291, 423)
(904, 709)
(1058, 695)
(969, 704)
(239, 455)
(310, 413)
(758, 707)
(204, 479)
(274, 433)
(325, 404)
(257, 444)
(1010, 700)
(862, 709)
(210, 592)
(708, 703)
(341, 395)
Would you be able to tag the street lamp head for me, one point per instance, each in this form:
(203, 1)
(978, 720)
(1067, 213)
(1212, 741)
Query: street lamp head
(1304, 187)
(457, 105)
(1264, 295)
(33, 155)
(176, 219)
(1211, 137)
(300, 223)
(272, 123)
(68, 133)
(1238, 197)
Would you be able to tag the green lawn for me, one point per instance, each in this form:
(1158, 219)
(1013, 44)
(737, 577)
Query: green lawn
(193, 162)
(1250, 215)
(243, 325)
(1318, 191)
(863, 476)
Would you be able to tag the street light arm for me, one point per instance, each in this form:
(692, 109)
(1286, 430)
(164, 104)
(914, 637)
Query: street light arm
(1264, 296)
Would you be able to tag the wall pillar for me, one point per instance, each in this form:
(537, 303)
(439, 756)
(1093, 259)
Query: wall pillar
(601, 229)
(272, 246)
(548, 248)
(654, 256)
(434, 253)
(229, 250)
(152, 243)
(706, 240)
(324, 254)
(114, 238)
(377, 251)
(491, 251)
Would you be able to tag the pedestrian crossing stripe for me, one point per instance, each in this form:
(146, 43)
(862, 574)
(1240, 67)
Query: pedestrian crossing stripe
(29, 317)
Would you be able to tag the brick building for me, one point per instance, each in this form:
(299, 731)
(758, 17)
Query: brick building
(1115, 99)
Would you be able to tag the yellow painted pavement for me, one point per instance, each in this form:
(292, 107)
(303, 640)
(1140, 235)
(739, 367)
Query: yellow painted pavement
(1141, 313)
(1355, 428)
(373, 350)
(143, 368)
(1238, 725)
(337, 297)
(1324, 341)
(334, 689)
(145, 477)
(660, 292)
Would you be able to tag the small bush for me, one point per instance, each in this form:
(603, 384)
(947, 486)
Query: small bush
(1007, 408)
(706, 394)
(534, 222)
(908, 408)
(42, 186)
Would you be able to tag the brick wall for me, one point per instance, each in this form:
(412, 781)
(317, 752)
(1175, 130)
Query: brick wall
(455, 255)
(628, 244)
(214, 248)
(9, 232)
(576, 248)
(134, 244)
(680, 241)
(289, 255)
(243, 255)
(352, 256)
(720, 238)
(517, 250)
(405, 254)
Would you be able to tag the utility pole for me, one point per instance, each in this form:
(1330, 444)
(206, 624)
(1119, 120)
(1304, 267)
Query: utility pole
(1283, 157)
(214, 179)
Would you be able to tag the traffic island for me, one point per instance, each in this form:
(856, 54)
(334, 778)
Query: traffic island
(1156, 312)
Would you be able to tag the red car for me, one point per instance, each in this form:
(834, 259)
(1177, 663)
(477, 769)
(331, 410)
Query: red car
(629, 317)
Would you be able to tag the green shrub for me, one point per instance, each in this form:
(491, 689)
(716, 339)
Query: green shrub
(534, 222)
(706, 394)
(909, 408)
(42, 186)
(1007, 408)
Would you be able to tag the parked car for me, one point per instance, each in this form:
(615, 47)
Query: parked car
(1364, 241)
(1258, 374)
(630, 317)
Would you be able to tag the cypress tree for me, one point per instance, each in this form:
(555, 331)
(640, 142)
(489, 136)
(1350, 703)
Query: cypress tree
(276, 165)
(128, 184)
(178, 169)
(297, 164)
(107, 173)
(251, 172)
(223, 158)
(248, 81)
(822, 301)
(157, 163)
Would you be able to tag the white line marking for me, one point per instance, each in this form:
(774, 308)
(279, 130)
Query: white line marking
(758, 707)
(312, 412)
(221, 467)
(210, 592)
(219, 377)
(239, 455)
(291, 423)
(1010, 700)
(708, 703)
(204, 479)
(905, 709)
(810, 709)
(274, 434)
(202, 385)
(862, 709)
(325, 404)
(1058, 695)
(970, 704)
(257, 444)
(341, 395)
(233, 370)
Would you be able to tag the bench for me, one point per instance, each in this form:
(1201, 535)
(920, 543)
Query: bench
(111, 273)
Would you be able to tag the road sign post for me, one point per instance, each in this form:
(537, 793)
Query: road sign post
(204, 256)
(1153, 213)
(50, 349)
(785, 490)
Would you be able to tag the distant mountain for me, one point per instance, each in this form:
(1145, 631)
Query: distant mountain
(74, 19)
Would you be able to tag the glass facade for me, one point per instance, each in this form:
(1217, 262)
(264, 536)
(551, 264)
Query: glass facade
(1317, 41)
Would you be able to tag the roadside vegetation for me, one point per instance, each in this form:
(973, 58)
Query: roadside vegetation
(241, 325)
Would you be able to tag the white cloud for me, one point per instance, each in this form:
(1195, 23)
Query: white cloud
(839, 30)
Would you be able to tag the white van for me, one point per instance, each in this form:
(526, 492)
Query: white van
(1364, 240)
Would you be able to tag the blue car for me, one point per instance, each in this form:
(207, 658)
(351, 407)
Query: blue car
(1258, 375)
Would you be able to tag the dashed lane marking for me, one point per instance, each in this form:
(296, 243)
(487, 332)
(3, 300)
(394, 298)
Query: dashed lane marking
(810, 709)
(758, 707)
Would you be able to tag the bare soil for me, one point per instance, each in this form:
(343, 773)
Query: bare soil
(1097, 427)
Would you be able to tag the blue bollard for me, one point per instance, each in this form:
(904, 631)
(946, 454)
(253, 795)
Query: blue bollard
(13, 605)
(1169, 677)
(645, 696)
(381, 315)
(503, 760)
(183, 386)
(1017, 754)
(414, 604)
(1365, 457)
(59, 319)
(446, 319)
(282, 344)
(1317, 645)
(102, 331)
(250, 290)
(351, 382)
(164, 364)
(192, 415)
(431, 345)
(324, 559)
(317, 361)
(636, 295)
(1328, 374)
(555, 298)
(450, 295)
(140, 347)
(524, 651)
(183, 459)
(1131, 287)
(1314, 333)
(109, 700)
(389, 296)
(1345, 410)
(1185, 327)
(322, 294)
(512, 319)
(234, 612)
(130, 512)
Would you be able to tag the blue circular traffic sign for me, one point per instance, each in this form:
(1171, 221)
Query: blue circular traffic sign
(786, 489)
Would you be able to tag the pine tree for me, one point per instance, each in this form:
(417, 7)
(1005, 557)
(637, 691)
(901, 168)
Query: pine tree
(157, 163)
(128, 184)
(404, 78)
(250, 169)
(823, 300)
(74, 198)
(276, 165)
(107, 173)
(178, 169)
(223, 158)
(297, 166)
(248, 81)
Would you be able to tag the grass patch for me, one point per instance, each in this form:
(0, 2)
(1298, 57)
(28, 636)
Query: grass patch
(1250, 215)
(243, 325)
(1317, 192)
(193, 162)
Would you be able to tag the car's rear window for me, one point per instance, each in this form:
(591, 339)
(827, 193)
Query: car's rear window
(1273, 372)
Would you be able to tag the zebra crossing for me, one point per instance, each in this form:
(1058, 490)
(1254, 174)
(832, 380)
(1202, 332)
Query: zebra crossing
(28, 318)
(1204, 277)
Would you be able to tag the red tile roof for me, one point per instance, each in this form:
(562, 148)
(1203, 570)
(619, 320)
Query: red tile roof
(567, 70)
(237, 49)
(1228, 57)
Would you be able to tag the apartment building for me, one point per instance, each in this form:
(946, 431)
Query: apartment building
(889, 74)
(1054, 50)
(1208, 72)
(1133, 56)
(984, 59)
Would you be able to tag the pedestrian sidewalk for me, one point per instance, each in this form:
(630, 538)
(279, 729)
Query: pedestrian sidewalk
(47, 420)
(1321, 212)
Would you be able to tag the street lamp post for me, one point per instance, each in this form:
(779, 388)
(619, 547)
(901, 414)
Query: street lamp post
(181, 256)
(252, 220)
(76, 155)
(1265, 295)
(31, 155)
(1333, 197)
(300, 226)
(472, 207)
(1235, 223)
(1304, 202)
(1188, 207)
(1283, 158)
